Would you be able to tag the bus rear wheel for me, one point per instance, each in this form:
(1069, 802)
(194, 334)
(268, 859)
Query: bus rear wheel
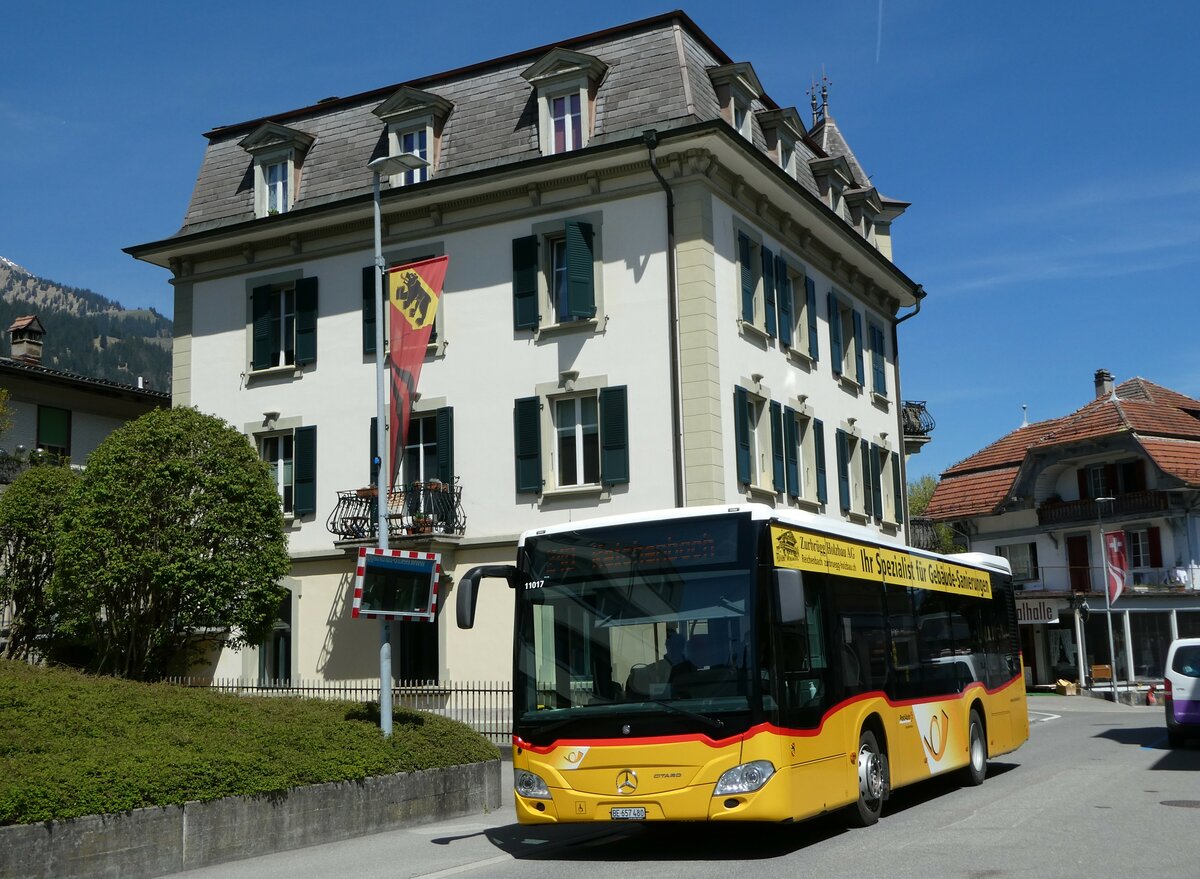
(976, 770)
(872, 780)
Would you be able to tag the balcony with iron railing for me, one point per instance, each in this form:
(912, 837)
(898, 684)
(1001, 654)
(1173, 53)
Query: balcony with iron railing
(414, 509)
(1091, 579)
(1134, 503)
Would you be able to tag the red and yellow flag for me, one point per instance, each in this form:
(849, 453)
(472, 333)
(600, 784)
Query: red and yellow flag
(413, 294)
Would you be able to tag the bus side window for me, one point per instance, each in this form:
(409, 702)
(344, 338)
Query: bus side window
(861, 636)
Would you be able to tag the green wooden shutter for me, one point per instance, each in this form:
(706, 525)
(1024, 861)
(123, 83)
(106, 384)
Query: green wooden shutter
(810, 300)
(878, 378)
(368, 309)
(818, 429)
(783, 286)
(525, 283)
(306, 321)
(791, 458)
(614, 436)
(581, 292)
(527, 443)
(741, 430)
(896, 486)
(769, 306)
(860, 373)
(835, 334)
(777, 466)
(841, 447)
(304, 477)
(747, 278)
(445, 443)
(265, 346)
(373, 462)
(877, 480)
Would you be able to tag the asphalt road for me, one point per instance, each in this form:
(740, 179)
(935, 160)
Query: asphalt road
(1094, 793)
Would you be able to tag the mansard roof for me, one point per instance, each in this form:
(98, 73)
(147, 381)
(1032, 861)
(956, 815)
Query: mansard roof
(657, 75)
(1163, 423)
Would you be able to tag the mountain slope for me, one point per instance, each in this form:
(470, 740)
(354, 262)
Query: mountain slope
(86, 333)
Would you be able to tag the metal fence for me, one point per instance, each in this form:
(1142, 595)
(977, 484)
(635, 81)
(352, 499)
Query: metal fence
(485, 706)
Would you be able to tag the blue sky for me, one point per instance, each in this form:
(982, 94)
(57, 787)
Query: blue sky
(1049, 150)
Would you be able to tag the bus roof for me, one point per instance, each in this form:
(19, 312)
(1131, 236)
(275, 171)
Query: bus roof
(761, 512)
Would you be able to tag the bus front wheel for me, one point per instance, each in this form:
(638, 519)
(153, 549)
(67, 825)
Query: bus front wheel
(872, 779)
(976, 769)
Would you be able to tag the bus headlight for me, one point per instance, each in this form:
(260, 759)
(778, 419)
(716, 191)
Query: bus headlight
(530, 785)
(744, 779)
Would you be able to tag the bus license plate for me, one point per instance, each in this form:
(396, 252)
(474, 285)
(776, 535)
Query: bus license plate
(629, 814)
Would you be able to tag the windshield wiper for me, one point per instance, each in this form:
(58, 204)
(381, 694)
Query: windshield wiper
(714, 722)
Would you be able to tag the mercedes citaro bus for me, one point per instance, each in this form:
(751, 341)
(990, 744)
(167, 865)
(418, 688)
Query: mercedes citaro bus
(747, 664)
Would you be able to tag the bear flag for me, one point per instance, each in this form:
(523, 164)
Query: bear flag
(414, 290)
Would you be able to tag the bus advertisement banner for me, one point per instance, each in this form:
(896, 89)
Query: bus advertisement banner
(830, 555)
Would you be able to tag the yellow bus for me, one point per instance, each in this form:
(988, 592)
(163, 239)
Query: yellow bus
(742, 663)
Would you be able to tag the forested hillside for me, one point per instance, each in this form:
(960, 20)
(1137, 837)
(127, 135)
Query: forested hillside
(86, 333)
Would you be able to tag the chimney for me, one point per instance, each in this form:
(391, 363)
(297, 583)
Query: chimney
(1104, 383)
(25, 336)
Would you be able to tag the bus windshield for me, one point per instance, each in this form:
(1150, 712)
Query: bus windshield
(646, 618)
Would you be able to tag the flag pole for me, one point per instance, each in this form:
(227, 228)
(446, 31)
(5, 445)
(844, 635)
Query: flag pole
(1112, 654)
(382, 165)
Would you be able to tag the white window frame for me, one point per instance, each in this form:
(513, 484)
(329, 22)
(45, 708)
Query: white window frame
(1020, 559)
(855, 444)
(787, 156)
(262, 184)
(849, 364)
(1137, 546)
(806, 457)
(762, 443)
(577, 431)
(577, 86)
(890, 514)
(397, 132)
(880, 395)
(800, 349)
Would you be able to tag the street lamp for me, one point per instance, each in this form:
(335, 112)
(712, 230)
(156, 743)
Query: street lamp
(397, 164)
(1112, 654)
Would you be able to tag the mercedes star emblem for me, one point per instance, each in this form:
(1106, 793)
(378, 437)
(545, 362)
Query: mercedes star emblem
(626, 781)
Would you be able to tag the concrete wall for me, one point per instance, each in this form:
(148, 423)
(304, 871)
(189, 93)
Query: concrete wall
(156, 841)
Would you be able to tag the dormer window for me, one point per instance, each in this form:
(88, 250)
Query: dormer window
(415, 120)
(278, 154)
(782, 131)
(564, 117)
(737, 88)
(566, 84)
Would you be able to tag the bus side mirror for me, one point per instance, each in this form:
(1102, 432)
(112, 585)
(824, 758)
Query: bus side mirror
(468, 590)
(789, 587)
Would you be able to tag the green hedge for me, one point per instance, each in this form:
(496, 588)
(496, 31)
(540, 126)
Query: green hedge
(73, 744)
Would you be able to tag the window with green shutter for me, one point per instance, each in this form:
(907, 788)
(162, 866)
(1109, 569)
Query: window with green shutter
(810, 308)
(778, 477)
(555, 275)
(818, 429)
(284, 324)
(770, 313)
(54, 430)
(842, 448)
(783, 292)
(527, 443)
(614, 436)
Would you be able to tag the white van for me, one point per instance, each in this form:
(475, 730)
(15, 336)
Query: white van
(1181, 690)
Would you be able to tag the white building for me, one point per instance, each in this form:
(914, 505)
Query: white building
(663, 289)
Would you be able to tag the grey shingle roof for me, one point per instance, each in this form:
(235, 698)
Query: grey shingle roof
(656, 77)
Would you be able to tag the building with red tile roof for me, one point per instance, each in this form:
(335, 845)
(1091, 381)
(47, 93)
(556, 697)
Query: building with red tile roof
(1128, 461)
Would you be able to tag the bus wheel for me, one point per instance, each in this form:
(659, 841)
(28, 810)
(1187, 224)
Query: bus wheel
(976, 769)
(872, 779)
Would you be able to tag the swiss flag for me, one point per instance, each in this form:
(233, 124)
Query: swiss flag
(1118, 564)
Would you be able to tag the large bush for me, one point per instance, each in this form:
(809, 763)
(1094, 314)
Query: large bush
(175, 529)
(29, 513)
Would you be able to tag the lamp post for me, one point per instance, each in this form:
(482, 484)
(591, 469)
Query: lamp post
(1112, 654)
(397, 164)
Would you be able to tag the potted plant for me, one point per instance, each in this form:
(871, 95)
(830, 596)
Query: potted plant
(422, 523)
